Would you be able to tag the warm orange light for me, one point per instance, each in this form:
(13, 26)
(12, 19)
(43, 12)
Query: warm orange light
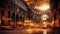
(44, 17)
(29, 1)
(45, 24)
(43, 7)
(45, 32)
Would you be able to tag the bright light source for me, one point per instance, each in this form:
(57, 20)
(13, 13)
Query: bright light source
(43, 7)
(44, 17)
(45, 24)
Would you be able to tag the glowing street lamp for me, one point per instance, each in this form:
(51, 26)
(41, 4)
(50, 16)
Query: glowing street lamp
(45, 24)
(44, 17)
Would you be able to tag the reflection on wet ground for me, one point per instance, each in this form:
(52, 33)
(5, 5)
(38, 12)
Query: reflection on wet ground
(30, 31)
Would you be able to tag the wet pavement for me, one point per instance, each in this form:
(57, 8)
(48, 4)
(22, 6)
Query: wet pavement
(30, 31)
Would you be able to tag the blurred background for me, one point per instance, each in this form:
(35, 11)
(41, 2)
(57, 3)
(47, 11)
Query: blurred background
(30, 16)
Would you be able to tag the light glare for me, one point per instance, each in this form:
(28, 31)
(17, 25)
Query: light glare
(43, 7)
(44, 17)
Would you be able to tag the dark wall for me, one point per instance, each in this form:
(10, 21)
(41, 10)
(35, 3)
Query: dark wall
(53, 3)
